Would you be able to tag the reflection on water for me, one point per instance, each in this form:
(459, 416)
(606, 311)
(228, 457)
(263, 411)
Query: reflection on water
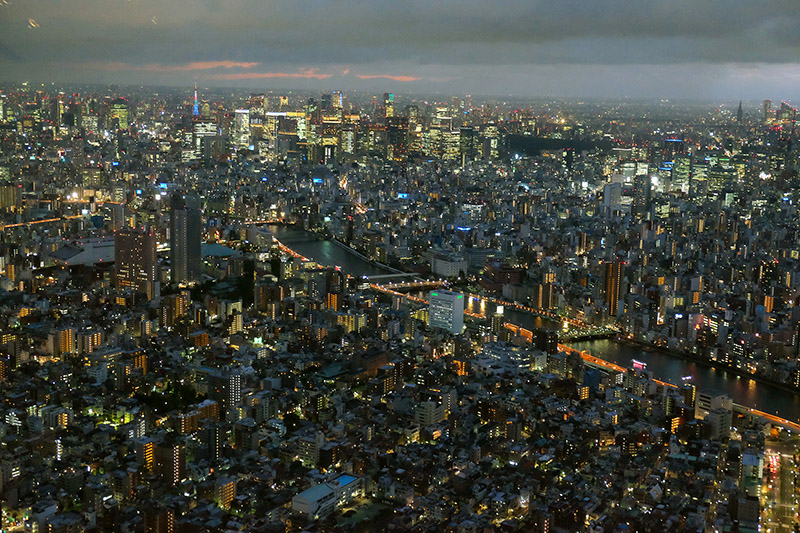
(743, 391)
(325, 252)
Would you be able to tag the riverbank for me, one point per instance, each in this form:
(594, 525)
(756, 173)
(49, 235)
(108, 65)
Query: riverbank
(686, 356)
(363, 257)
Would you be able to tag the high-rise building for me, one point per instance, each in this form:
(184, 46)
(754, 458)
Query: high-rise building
(613, 284)
(642, 193)
(171, 462)
(145, 452)
(158, 519)
(202, 128)
(681, 172)
(242, 128)
(396, 138)
(388, 104)
(497, 321)
(136, 263)
(446, 311)
(184, 239)
(227, 387)
(119, 113)
(337, 100)
(174, 308)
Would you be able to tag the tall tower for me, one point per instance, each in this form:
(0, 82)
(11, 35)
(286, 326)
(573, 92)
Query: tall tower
(613, 285)
(136, 263)
(184, 239)
(739, 113)
(196, 108)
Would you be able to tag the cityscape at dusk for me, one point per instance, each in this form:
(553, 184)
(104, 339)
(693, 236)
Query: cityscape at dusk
(366, 266)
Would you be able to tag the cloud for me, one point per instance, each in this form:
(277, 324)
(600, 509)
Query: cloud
(311, 73)
(158, 67)
(200, 65)
(448, 32)
(387, 77)
(434, 43)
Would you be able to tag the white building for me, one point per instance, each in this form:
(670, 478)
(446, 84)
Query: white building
(719, 421)
(446, 311)
(321, 500)
(448, 265)
(242, 128)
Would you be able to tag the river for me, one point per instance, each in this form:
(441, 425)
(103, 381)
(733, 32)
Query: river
(325, 252)
(663, 366)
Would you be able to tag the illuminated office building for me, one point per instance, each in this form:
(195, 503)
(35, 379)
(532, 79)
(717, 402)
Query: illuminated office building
(119, 113)
(446, 311)
(136, 263)
(241, 132)
(184, 238)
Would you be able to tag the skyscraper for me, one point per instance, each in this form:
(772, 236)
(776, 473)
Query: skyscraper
(136, 263)
(388, 104)
(242, 128)
(446, 311)
(396, 138)
(613, 284)
(643, 192)
(119, 112)
(184, 239)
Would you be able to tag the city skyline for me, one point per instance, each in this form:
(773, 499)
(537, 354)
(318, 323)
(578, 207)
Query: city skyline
(284, 309)
(399, 266)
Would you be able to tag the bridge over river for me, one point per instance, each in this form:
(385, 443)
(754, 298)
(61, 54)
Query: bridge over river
(775, 404)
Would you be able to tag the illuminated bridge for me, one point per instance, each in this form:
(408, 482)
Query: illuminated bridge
(588, 333)
(415, 285)
(742, 409)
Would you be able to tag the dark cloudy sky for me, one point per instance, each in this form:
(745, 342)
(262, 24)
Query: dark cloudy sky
(703, 49)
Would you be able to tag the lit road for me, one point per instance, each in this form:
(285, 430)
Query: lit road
(44, 221)
(780, 503)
